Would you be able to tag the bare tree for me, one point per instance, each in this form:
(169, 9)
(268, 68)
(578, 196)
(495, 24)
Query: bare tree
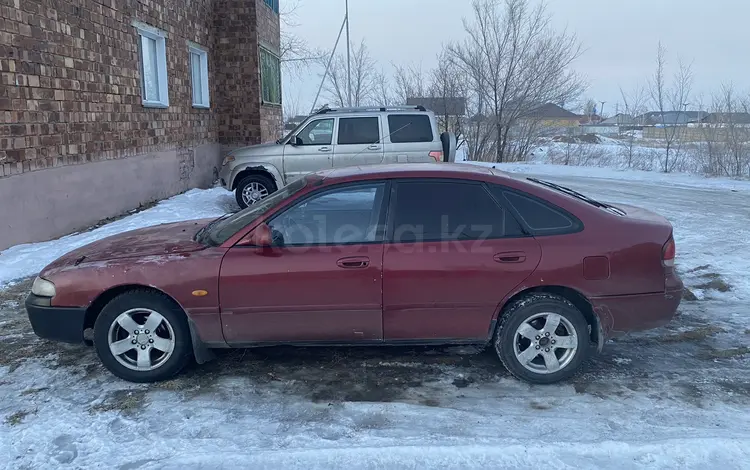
(291, 107)
(409, 82)
(383, 91)
(448, 88)
(516, 61)
(479, 130)
(295, 53)
(670, 98)
(710, 149)
(733, 157)
(589, 108)
(364, 83)
(635, 105)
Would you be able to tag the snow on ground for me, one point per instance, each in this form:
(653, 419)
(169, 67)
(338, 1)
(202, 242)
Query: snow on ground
(26, 260)
(653, 177)
(676, 397)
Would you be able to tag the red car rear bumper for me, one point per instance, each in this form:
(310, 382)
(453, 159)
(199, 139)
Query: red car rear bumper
(623, 314)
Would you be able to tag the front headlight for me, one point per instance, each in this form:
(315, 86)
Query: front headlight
(227, 160)
(43, 288)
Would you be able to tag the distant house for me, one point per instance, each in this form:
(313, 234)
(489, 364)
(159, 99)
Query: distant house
(618, 120)
(590, 119)
(293, 122)
(610, 126)
(448, 106)
(669, 118)
(742, 119)
(552, 115)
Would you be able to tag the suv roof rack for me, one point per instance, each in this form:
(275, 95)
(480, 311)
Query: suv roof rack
(325, 109)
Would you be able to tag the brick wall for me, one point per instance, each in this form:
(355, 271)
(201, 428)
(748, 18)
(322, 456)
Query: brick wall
(237, 51)
(70, 80)
(269, 37)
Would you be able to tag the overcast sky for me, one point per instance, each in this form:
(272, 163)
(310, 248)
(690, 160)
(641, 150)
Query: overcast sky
(620, 38)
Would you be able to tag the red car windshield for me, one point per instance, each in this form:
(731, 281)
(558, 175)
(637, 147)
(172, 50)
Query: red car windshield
(221, 230)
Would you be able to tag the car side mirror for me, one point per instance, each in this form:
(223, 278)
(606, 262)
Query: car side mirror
(296, 140)
(277, 238)
(260, 236)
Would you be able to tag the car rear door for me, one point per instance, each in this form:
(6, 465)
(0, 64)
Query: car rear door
(411, 138)
(320, 282)
(453, 254)
(358, 141)
(313, 151)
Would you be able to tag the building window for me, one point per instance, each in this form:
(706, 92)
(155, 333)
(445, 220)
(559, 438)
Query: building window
(154, 91)
(199, 76)
(273, 5)
(270, 77)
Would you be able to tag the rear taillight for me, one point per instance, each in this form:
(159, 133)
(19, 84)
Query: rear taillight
(438, 156)
(668, 253)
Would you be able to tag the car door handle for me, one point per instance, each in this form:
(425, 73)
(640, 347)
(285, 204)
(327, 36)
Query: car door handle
(510, 257)
(324, 149)
(373, 147)
(354, 262)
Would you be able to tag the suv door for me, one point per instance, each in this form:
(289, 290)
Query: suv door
(453, 254)
(411, 138)
(310, 150)
(358, 142)
(322, 279)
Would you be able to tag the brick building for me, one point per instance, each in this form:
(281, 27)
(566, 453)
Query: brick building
(106, 104)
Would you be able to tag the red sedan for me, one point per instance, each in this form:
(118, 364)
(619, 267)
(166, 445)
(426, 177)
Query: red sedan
(383, 255)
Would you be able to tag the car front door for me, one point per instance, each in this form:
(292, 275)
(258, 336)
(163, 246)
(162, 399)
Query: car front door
(453, 254)
(358, 142)
(310, 150)
(321, 281)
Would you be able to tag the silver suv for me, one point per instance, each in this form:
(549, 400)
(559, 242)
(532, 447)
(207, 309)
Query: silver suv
(333, 138)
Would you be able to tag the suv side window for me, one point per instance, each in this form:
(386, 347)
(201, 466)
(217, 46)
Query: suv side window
(449, 210)
(361, 130)
(318, 132)
(410, 128)
(541, 218)
(350, 214)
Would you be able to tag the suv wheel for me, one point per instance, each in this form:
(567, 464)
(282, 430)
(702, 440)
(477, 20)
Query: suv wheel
(542, 339)
(142, 336)
(253, 189)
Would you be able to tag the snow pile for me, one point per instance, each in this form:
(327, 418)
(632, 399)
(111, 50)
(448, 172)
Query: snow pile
(671, 179)
(27, 260)
(624, 153)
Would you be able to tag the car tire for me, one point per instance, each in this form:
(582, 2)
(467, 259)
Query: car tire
(149, 353)
(542, 339)
(264, 186)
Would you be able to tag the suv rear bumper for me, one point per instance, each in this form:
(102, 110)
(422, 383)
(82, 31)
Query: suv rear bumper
(55, 323)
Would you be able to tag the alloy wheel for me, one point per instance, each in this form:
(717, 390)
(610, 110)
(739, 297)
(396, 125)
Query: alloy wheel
(254, 192)
(141, 339)
(545, 343)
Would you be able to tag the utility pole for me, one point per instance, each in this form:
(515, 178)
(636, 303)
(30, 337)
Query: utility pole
(601, 111)
(348, 58)
(328, 66)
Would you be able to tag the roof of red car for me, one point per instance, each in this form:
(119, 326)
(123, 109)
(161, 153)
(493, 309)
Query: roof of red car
(410, 170)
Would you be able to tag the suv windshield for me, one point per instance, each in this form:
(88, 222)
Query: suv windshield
(220, 230)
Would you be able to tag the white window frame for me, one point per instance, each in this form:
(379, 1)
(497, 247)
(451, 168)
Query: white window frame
(146, 31)
(203, 57)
